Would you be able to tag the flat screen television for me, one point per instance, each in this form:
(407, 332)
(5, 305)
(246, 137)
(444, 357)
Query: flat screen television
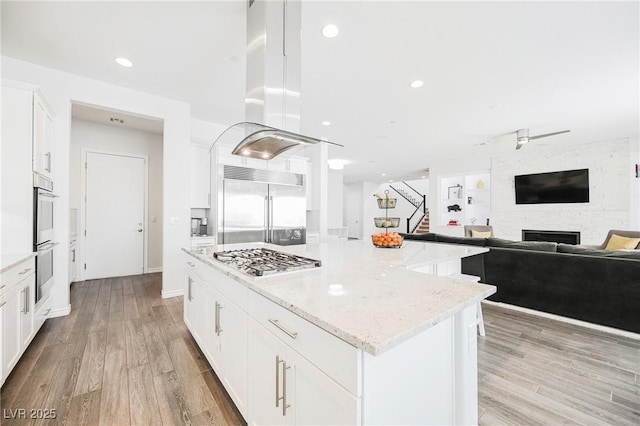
(569, 186)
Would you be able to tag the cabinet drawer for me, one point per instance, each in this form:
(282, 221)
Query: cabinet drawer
(228, 287)
(335, 357)
(16, 274)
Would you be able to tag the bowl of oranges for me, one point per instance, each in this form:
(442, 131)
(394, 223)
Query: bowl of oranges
(387, 240)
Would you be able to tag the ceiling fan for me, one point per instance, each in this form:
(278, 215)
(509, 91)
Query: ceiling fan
(524, 138)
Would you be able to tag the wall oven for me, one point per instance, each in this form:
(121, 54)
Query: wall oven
(43, 199)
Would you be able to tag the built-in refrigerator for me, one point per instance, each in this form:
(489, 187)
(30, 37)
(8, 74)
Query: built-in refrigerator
(261, 206)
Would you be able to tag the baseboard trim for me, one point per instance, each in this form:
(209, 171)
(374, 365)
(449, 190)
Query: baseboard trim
(598, 327)
(154, 270)
(172, 293)
(60, 312)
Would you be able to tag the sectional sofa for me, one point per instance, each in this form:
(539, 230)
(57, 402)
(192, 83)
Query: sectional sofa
(589, 284)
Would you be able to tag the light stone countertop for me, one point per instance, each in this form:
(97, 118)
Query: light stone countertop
(366, 296)
(9, 260)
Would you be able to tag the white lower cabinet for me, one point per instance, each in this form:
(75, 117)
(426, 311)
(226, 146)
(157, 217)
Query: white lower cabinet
(11, 326)
(288, 389)
(219, 327)
(17, 309)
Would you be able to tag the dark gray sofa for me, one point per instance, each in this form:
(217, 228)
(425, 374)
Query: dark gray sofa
(593, 285)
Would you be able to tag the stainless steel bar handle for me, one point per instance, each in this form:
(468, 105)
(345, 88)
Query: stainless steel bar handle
(48, 156)
(270, 219)
(284, 388)
(189, 289)
(26, 300)
(215, 320)
(278, 380)
(292, 334)
(24, 295)
(24, 272)
(266, 219)
(219, 321)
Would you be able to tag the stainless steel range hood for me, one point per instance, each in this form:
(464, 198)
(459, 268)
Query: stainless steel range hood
(273, 83)
(263, 142)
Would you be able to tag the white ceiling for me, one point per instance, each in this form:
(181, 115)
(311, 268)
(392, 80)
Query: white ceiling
(489, 68)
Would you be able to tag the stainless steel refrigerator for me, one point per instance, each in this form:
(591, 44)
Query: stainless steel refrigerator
(262, 206)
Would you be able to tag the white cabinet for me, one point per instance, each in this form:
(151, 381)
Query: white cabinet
(11, 339)
(16, 170)
(288, 389)
(42, 136)
(17, 301)
(219, 326)
(200, 170)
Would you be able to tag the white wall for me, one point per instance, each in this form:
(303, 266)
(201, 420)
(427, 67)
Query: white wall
(609, 206)
(98, 137)
(61, 89)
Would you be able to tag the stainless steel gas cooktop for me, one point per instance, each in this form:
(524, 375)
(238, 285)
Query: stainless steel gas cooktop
(258, 262)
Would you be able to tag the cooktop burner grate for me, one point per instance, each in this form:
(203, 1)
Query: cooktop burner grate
(258, 262)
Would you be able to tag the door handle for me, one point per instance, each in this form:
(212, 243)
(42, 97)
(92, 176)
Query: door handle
(48, 157)
(278, 380)
(218, 328)
(189, 289)
(139, 229)
(285, 367)
(24, 304)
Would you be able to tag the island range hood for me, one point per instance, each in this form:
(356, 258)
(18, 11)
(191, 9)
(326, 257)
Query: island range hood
(272, 83)
(263, 142)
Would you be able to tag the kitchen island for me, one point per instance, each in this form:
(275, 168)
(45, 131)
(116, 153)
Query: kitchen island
(363, 339)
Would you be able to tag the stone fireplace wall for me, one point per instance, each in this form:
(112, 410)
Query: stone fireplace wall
(609, 184)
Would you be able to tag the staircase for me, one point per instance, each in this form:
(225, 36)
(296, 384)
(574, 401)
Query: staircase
(423, 226)
(419, 201)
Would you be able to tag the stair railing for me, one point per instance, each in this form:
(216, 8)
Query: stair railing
(420, 204)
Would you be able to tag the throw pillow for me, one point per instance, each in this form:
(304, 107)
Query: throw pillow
(617, 242)
(480, 234)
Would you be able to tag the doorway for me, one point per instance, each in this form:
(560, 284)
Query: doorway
(114, 225)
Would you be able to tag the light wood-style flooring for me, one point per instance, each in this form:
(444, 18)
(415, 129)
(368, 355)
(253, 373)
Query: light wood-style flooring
(124, 356)
(537, 371)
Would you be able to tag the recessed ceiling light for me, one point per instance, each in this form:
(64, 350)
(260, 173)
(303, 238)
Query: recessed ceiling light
(124, 62)
(246, 152)
(326, 123)
(330, 31)
(265, 155)
(423, 177)
(390, 180)
(384, 174)
(417, 83)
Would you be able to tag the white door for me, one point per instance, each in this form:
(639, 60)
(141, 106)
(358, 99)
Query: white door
(115, 191)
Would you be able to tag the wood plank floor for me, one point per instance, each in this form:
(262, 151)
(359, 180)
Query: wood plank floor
(537, 371)
(124, 356)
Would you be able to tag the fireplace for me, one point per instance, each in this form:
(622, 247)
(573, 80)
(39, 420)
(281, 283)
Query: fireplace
(566, 237)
